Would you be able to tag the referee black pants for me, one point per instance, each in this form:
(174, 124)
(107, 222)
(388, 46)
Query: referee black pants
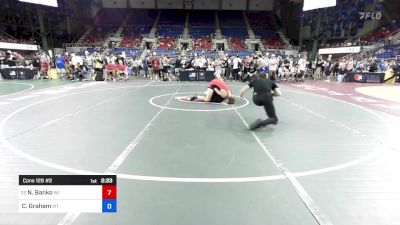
(266, 101)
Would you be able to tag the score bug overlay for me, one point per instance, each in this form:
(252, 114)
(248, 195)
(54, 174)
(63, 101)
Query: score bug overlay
(67, 193)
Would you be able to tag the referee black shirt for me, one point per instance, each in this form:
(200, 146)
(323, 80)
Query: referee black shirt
(262, 86)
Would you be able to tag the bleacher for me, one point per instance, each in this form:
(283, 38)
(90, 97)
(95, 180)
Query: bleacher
(237, 44)
(202, 24)
(167, 43)
(265, 32)
(105, 23)
(207, 53)
(260, 19)
(198, 32)
(342, 20)
(388, 52)
(202, 18)
(238, 32)
(241, 54)
(231, 18)
(142, 17)
(232, 24)
(263, 27)
(99, 34)
(129, 52)
(204, 43)
(136, 30)
(166, 52)
(382, 33)
(274, 43)
(139, 24)
(110, 17)
(172, 17)
(170, 30)
(171, 23)
(131, 41)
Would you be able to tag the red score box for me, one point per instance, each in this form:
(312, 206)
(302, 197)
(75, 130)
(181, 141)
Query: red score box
(109, 191)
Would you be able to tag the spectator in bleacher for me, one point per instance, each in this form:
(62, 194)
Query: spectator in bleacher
(210, 64)
(165, 63)
(178, 65)
(119, 59)
(135, 66)
(76, 59)
(10, 59)
(328, 67)
(98, 67)
(225, 67)
(88, 61)
(319, 68)
(145, 65)
(44, 65)
(60, 65)
(155, 64)
(80, 71)
(246, 62)
(236, 64)
(273, 67)
(129, 62)
(349, 66)
(382, 65)
(110, 59)
(335, 67)
(262, 63)
(218, 66)
(361, 65)
(373, 66)
(302, 67)
(283, 73)
(342, 69)
(121, 70)
(111, 72)
(295, 72)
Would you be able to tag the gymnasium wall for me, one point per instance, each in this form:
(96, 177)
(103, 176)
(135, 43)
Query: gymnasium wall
(170, 4)
(234, 4)
(255, 5)
(142, 4)
(115, 3)
(206, 5)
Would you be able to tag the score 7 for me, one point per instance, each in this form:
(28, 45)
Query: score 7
(109, 191)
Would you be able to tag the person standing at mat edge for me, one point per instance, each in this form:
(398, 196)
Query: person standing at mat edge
(263, 90)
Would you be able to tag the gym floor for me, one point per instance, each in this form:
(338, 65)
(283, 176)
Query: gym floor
(332, 159)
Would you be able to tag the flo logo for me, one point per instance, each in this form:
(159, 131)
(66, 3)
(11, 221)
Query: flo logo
(370, 15)
(358, 77)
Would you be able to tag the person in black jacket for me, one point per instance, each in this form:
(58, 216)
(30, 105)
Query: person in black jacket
(263, 90)
(373, 67)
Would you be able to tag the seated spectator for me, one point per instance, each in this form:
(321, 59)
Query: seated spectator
(110, 71)
(121, 70)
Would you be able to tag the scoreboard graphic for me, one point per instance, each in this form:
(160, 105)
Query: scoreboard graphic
(67, 193)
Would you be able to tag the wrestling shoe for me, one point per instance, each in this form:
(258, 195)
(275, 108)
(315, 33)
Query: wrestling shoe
(256, 124)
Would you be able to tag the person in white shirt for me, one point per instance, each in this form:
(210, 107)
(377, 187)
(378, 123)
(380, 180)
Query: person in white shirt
(342, 69)
(295, 72)
(88, 62)
(273, 67)
(283, 73)
(76, 59)
(302, 67)
(262, 62)
(236, 67)
(135, 67)
(202, 62)
(139, 62)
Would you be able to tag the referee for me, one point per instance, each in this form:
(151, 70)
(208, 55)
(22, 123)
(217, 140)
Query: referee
(264, 89)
